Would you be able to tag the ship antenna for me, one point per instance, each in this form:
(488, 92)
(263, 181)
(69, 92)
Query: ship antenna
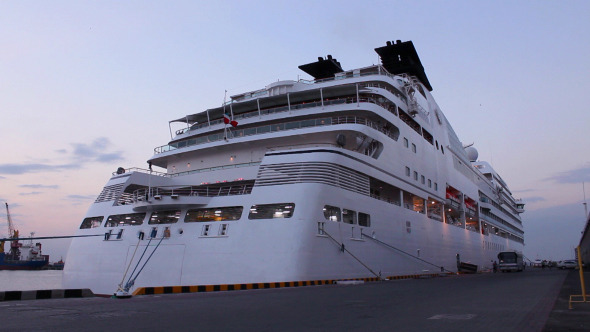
(585, 205)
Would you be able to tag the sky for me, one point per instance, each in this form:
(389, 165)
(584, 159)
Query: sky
(88, 86)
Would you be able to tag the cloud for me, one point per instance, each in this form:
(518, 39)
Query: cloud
(81, 197)
(2, 177)
(109, 157)
(82, 153)
(534, 199)
(578, 175)
(95, 151)
(39, 186)
(31, 193)
(17, 169)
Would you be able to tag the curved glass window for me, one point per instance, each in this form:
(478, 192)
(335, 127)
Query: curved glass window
(214, 214)
(164, 217)
(91, 222)
(271, 211)
(364, 219)
(131, 219)
(332, 213)
(349, 216)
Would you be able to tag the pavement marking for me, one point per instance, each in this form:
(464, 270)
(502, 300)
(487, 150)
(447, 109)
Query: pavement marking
(453, 316)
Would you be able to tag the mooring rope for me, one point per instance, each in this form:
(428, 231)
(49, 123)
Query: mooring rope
(343, 249)
(140, 258)
(132, 281)
(128, 266)
(442, 269)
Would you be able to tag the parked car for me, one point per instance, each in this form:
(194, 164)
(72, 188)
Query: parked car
(567, 264)
(537, 263)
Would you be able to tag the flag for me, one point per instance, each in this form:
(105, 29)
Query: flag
(226, 118)
(234, 123)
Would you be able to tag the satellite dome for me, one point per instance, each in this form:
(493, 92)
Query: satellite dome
(472, 153)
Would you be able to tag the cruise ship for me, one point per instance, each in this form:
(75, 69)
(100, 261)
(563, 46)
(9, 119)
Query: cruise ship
(351, 174)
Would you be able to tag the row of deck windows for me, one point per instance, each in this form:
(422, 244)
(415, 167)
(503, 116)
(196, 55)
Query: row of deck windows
(228, 213)
(422, 178)
(334, 213)
(448, 213)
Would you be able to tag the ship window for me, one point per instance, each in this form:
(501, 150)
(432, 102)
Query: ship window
(164, 217)
(435, 209)
(349, 216)
(133, 219)
(271, 211)
(413, 147)
(415, 175)
(407, 171)
(406, 143)
(427, 136)
(413, 202)
(332, 213)
(422, 179)
(91, 222)
(435, 186)
(214, 214)
(429, 183)
(364, 219)
(442, 149)
(249, 131)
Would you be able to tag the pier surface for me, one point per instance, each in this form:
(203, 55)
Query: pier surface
(529, 301)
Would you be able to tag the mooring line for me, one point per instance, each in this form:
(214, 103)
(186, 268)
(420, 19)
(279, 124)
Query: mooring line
(442, 269)
(343, 248)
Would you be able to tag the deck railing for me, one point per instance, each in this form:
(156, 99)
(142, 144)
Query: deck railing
(216, 190)
(289, 126)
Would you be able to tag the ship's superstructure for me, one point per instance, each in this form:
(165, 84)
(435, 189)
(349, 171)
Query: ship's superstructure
(354, 174)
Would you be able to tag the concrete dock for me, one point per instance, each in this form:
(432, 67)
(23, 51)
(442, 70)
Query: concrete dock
(534, 300)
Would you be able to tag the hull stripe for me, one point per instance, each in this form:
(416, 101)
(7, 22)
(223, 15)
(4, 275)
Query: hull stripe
(233, 287)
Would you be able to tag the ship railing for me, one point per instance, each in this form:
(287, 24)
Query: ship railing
(200, 170)
(434, 215)
(470, 211)
(137, 169)
(453, 203)
(201, 191)
(285, 126)
(367, 71)
(293, 107)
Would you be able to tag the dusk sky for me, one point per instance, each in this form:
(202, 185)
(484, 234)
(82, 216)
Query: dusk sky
(88, 86)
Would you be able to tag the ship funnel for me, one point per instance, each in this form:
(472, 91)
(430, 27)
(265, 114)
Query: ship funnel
(323, 68)
(402, 58)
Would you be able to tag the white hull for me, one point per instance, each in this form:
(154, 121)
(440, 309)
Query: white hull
(307, 169)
